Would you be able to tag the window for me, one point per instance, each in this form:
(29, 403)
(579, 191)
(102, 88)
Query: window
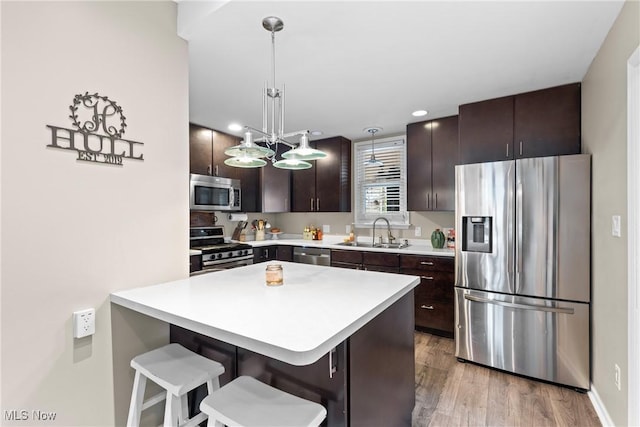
(381, 190)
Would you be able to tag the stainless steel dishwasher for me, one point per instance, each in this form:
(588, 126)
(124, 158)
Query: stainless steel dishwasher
(315, 256)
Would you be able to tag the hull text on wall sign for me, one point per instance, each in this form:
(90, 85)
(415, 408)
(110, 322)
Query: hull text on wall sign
(99, 125)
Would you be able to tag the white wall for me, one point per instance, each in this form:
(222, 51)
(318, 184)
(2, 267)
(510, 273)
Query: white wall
(604, 133)
(72, 232)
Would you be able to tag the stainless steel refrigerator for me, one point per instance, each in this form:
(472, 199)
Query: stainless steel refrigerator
(523, 267)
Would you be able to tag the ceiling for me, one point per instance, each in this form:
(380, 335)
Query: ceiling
(349, 65)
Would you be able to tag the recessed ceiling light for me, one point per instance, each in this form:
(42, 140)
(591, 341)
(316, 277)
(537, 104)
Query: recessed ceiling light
(316, 132)
(235, 127)
(420, 113)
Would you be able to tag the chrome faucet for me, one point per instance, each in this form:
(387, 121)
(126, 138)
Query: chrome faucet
(390, 237)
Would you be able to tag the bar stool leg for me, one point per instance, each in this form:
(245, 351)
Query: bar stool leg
(171, 410)
(183, 415)
(137, 398)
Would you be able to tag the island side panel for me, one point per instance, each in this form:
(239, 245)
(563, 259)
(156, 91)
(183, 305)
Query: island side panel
(382, 368)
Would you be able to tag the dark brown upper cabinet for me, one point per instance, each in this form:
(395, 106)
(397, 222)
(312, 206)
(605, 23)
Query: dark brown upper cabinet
(206, 157)
(275, 186)
(547, 122)
(326, 187)
(206, 151)
(432, 153)
(486, 130)
(534, 124)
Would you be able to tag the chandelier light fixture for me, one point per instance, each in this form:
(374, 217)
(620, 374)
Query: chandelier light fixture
(372, 161)
(249, 154)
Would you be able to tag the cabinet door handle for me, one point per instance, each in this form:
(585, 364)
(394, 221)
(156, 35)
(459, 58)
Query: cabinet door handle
(208, 169)
(312, 204)
(520, 148)
(435, 205)
(266, 253)
(426, 262)
(428, 201)
(427, 307)
(427, 277)
(318, 204)
(507, 151)
(217, 170)
(333, 364)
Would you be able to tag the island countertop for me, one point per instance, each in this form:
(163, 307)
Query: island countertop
(315, 310)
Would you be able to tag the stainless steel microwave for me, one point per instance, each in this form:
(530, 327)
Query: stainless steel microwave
(213, 193)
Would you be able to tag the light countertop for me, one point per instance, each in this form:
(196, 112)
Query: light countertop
(416, 247)
(315, 310)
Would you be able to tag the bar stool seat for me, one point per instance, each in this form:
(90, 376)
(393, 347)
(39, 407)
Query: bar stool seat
(178, 371)
(248, 402)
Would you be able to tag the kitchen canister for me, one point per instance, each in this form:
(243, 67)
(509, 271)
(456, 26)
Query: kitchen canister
(274, 275)
(437, 239)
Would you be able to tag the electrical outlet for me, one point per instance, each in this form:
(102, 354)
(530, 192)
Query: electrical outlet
(326, 228)
(347, 229)
(617, 376)
(84, 323)
(418, 231)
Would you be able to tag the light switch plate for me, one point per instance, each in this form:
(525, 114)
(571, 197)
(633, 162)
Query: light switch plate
(418, 231)
(615, 226)
(326, 228)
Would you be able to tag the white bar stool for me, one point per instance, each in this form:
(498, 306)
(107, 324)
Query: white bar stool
(248, 402)
(178, 371)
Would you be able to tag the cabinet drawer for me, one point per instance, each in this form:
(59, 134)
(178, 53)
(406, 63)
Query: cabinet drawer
(426, 263)
(354, 257)
(437, 316)
(381, 268)
(381, 258)
(434, 286)
(346, 265)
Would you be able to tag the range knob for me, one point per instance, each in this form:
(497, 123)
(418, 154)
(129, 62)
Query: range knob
(230, 254)
(219, 256)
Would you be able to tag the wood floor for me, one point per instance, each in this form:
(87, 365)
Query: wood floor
(451, 393)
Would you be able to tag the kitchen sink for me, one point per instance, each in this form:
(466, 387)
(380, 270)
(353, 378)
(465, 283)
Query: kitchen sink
(377, 245)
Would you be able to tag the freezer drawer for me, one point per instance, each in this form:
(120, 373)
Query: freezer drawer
(540, 338)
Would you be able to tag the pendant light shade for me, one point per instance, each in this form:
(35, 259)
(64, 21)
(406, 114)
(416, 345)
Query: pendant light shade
(245, 162)
(248, 148)
(372, 161)
(292, 162)
(304, 151)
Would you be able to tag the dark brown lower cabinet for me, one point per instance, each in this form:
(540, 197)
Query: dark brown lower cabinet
(195, 263)
(270, 253)
(374, 379)
(434, 308)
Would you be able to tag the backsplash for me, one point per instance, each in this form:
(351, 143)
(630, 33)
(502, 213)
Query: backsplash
(295, 222)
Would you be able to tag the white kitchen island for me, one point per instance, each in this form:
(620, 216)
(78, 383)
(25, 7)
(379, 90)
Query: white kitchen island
(341, 337)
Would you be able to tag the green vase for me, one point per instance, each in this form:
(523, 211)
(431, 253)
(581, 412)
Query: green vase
(437, 239)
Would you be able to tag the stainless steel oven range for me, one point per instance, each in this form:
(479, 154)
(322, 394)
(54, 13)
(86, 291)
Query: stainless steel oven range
(216, 253)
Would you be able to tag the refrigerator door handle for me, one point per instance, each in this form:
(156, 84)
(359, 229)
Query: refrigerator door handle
(520, 306)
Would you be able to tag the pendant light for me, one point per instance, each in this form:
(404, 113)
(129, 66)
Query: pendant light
(272, 132)
(372, 161)
(243, 153)
(292, 162)
(304, 151)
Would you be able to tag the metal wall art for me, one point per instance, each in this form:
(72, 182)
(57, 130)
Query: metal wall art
(99, 125)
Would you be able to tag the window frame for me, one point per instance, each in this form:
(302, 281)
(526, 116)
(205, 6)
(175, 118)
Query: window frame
(399, 219)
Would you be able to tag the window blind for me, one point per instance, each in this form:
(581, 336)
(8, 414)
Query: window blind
(381, 190)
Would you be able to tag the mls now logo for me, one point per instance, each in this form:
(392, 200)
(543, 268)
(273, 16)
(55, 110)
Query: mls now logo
(99, 124)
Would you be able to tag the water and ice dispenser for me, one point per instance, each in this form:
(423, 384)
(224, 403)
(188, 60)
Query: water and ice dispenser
(476, 234)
